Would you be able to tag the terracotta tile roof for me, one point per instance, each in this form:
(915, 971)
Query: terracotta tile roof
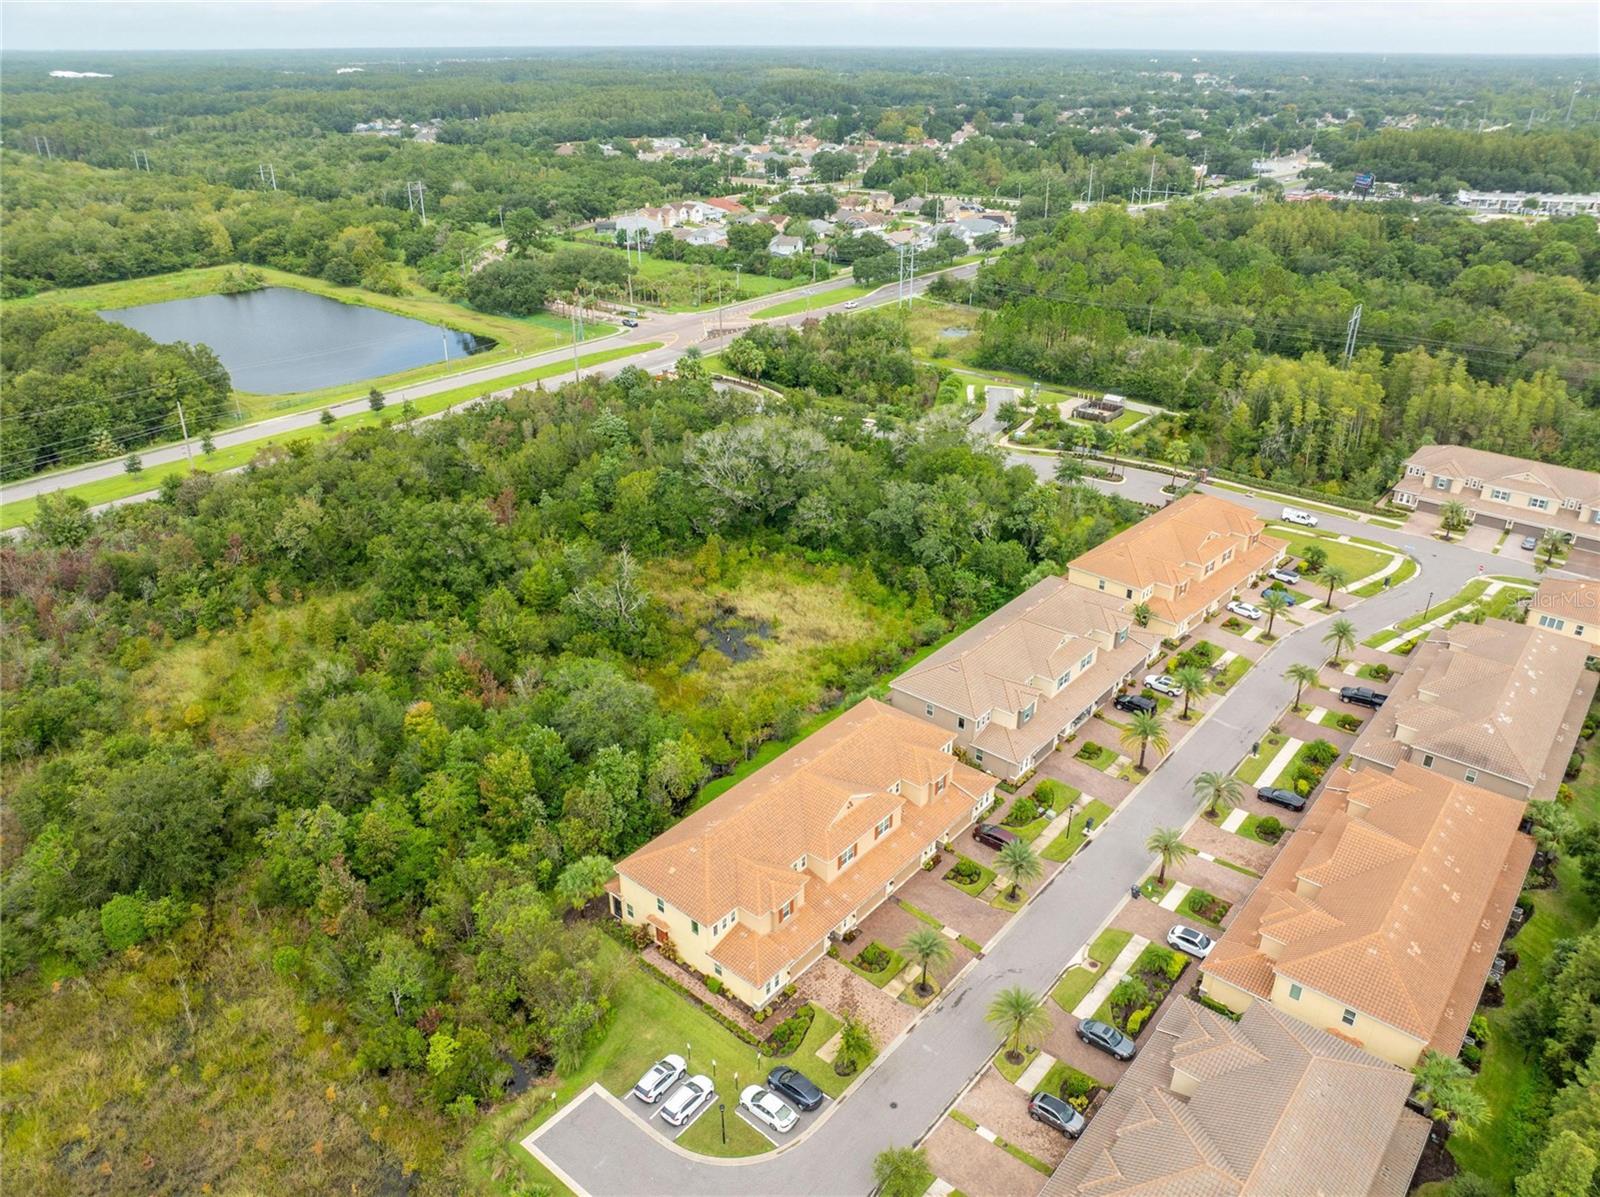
(813, 801)
(1013, 658)
(1276, 1108)
(1173, 546)
(1385, 908)
(1509, 473)
(1494, 696)
(1576, 599)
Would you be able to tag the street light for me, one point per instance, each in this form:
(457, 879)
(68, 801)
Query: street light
(1427, 608)
(722, 1112)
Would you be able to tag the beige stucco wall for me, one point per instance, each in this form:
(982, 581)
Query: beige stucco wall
(1459, 771)
(1236, 999)
(694, 947)
(1325, 1013)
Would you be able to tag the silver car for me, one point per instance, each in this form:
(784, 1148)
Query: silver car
(686, 1102)
(1162, 684)
(766, 1106)
(661, 1077)
(1187, 939)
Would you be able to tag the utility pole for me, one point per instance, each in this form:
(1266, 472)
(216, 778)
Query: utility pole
(269, 175)
(577, 333)
(1351, 330)
(1576, 88)
(141, 160)
(1047, 197)
(184, 425)
(413, 188)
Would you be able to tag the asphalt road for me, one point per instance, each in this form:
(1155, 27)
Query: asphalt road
(677, 331)
(605, 1152)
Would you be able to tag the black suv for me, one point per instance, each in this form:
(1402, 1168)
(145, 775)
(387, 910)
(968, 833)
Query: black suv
(1287, 799)
(992, 834)
(786, 1082)
(1361, 696)
(1135, 702)
(1052, 1111)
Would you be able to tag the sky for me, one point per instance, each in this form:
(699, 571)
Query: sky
(1421, 26)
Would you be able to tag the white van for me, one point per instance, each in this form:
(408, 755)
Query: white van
(1293, 515)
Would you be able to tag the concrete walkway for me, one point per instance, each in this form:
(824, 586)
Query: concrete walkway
(1115, 971)
(1033, 1075)
(1175, 895)
(1279, 763)
(1235, 819)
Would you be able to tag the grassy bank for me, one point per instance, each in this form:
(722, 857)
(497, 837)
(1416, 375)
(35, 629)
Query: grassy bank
(106, 490)
(806, 302)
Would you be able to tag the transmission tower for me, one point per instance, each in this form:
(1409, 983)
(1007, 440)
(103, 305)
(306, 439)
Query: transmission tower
(1350, 332)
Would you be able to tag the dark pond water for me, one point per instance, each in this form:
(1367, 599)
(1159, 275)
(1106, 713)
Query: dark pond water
(279, 340)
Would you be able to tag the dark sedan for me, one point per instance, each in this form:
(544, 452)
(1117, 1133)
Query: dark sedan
(1287, 799)
(1135, 702)
(793, 1085)
(993, 835)
(1107, 1038)
(1052, 1111)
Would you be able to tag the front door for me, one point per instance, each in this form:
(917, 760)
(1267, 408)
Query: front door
(661, 937)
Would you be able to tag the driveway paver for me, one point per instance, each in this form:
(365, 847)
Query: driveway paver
(1002, 1107)
(1253, 854)
(972, 917)
(840, 991)
(977, 1168)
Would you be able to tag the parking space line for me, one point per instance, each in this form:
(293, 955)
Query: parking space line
(767, 1132)
(700, 1113)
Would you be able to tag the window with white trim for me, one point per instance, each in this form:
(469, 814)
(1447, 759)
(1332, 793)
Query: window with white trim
(661, 906)
(847, 856)
(961, 721)
(1472, 775)
(1538, 504)
(1295, 991)
(1427, 760)
(1348, 1018)
(928, 707)
(882, 829)
(1441, 483)
(977, 755)
(717, 968)
(1498, 495)
(799, 865)
(786, 910)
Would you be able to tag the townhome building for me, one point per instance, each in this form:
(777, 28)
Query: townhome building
(1496, 704)
(1520, 496)
(1378, 920)
(752, 887)
(1018, 683)
(1568, 607)
(1183, 563)
(1263, 1107)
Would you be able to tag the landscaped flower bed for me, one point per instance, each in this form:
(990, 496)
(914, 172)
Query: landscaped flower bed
(968, 875)
(1205, 905)
(877, 963)
(1136, 997)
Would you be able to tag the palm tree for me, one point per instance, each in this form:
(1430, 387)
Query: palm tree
(1335, 576)
(1453, 517)
(1141, 614)
(855, 1043)
(1018, 863)
(1019, 1014)
(1341, 634)
(1116, 446)
(1144, 729)
(901, 1172)
(1275, 602)
(1169, 848)
(1447, 1083)
(926, 946)
(1302, 676)
(1550, 543)
(1220, 792)
(1175, 455)
(1194, 683)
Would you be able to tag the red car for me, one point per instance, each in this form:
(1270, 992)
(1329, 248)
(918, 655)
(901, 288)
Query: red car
(993, 835)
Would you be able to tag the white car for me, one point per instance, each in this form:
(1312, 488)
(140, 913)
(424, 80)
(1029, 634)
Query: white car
(659, 1079)
(849, 305)
(1162, 684)
(1187, 939)
(686, 1102)
(1287, 576)
(1247, 610)
(766, 1106)
(1293, 515)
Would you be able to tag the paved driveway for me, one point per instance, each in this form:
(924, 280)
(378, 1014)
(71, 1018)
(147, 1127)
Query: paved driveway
(1002, 1107)
(907, 1091)
(977, 1168)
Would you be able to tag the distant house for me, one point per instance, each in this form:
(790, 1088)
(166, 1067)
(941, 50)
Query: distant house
(1515, 493)
(910, 206)
(1569, 607)
(783, 246)
(728, 206)
(705, 235)
(638, 223)
(822, 228)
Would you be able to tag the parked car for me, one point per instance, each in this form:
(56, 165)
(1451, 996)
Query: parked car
(849, 305)
(1288, 598)
(1362, 696)
(686, 1102)
(795, 1086)
(1287, 799)
(629, 322)
(1135, 702)
(993, 835)
(1052, 1111)
(1293, 515)
(1186, 939)
(1288, 577)
(1247, 610)
(1162, 684)
(766, 1106)
(1107, 1038)
(663, 1074)
(1530, 543)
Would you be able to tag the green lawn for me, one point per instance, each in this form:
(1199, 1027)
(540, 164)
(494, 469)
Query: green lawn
(1056, 1080)
(1077, 982)
(806, 302)
(1406, 571)
(1013, 1071)
(1251, 768)
(971, 887)
(1355, 559)
(1068, 842)
(1465, 597)
(1002, 899)
(17, 513)
(1509, 1076)
(1247, 829)
(1231, 673)
(1102, 759)
(1300, 755)
(683, 287)
(887, 973)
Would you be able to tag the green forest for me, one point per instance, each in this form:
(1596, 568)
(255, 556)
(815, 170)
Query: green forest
(304, 766)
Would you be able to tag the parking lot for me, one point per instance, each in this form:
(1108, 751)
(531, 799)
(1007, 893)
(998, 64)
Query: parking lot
(800, 1125)
(650, 1115)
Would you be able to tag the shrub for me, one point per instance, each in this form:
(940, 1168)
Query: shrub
(1320, 752)
(1349, 723)
(1051, 795)
(1380, 672)
(873, 958)
(1088, 752)
(122, 922)
(791, 1032)
(1174, 964)
(1574, 766)
(964, 871)
(1137, 1019)
(714, 985)
(1269, 829)
(790, 990)
(1211, 1003)
(1478, 1028)
(761, 1015)
(1472, 1056)
(1205, 905)
(1023, 811)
